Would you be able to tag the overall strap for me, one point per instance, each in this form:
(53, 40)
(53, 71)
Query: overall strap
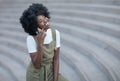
(53, 36)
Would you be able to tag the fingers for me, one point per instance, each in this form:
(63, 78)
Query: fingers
(41, 36)
(41, 33)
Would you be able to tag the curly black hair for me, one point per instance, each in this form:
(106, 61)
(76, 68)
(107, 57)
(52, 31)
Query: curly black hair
(29, 17)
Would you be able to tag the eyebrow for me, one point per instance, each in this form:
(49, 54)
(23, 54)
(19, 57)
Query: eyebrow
(40, 20)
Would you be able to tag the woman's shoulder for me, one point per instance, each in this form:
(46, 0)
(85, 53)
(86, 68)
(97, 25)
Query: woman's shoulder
(29, 37)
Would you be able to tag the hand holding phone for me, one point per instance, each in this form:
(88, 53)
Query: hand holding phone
(41, 36)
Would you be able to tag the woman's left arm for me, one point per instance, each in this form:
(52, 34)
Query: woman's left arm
(56, 64)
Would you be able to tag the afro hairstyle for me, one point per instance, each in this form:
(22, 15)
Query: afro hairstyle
(29, 17)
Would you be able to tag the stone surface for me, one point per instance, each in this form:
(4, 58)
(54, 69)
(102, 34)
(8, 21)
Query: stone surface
(90, 39)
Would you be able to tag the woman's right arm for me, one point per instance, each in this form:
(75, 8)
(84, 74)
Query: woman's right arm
(36, 57)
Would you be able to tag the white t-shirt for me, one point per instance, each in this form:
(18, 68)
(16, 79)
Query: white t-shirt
(32, 46)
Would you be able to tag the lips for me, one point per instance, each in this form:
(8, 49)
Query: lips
(47, 25)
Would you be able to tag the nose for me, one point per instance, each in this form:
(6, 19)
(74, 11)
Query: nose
(47, 24)
(46, 19)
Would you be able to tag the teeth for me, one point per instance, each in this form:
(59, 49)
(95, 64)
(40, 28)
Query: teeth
(47, 23)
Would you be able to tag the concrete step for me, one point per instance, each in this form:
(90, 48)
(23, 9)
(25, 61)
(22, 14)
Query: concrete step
(13, 21)
(18, 36)
(21, 57)
(82, 75)
(103, 27)
(95, 38)
(67, 71)
(96, 53)
(73, 30)
(115, 9)
(103, 2)
(14, 67)
(18, 45)
(92, 54)
(99, 16)
(6, 74)
(85, 43)
(19, 4)
(9, 14)
(99, 35)
(12, 28)
(15, 11)
(83, 64)
(72, 46)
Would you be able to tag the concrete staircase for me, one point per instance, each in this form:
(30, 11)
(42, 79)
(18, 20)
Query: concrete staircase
(90, 39)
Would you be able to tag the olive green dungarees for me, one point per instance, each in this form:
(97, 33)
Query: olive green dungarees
(45, 73)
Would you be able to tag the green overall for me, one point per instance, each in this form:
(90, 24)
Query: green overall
(45, 73)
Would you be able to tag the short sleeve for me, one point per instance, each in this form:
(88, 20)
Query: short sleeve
(57, 39)
(31, 44)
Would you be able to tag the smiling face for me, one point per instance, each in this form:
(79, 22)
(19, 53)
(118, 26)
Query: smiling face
(43, 22)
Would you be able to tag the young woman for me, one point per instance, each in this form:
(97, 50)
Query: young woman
(43, 43)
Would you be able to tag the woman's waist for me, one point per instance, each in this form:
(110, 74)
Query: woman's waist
(47, 61)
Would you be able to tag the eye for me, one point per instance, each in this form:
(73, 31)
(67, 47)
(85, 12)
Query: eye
(40, 21)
